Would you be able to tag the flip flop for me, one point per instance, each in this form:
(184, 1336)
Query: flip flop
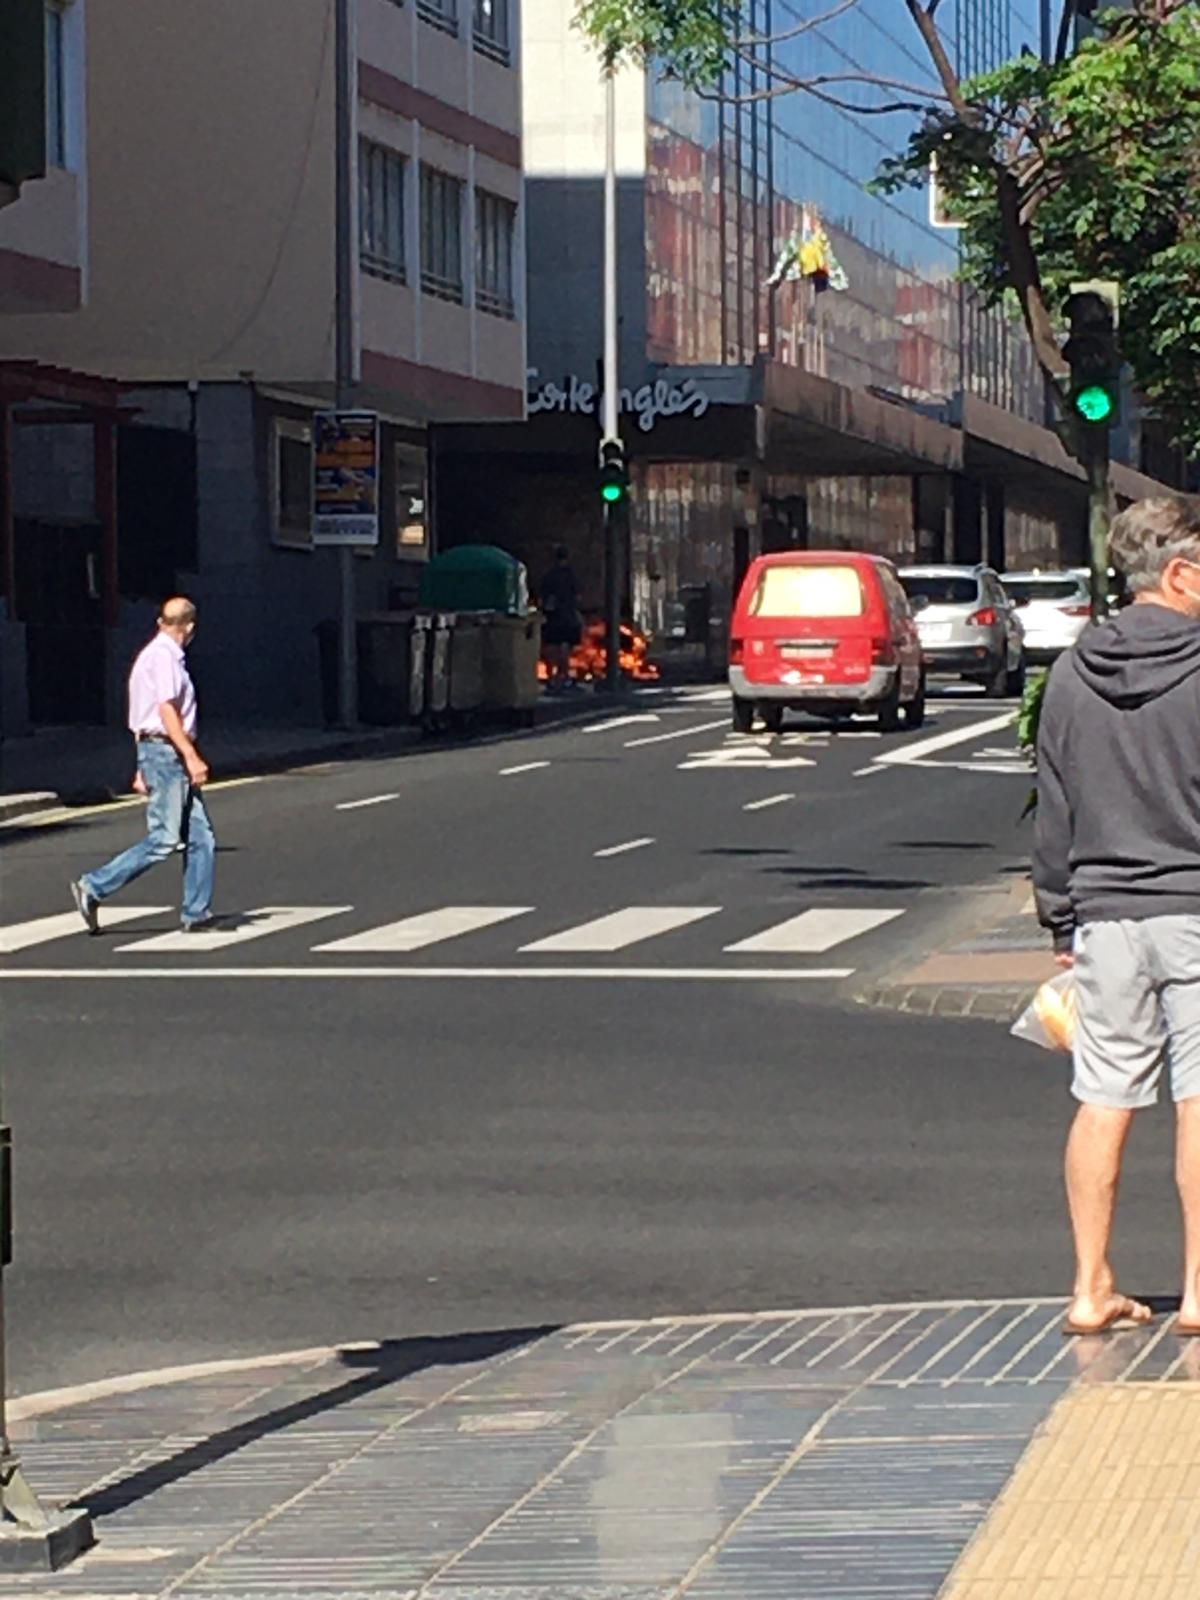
(1118, 1321)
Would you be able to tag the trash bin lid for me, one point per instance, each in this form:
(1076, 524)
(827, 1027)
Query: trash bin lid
(476, 577)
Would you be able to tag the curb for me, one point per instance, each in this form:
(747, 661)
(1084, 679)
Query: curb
(1001, 1005)
(15, 806)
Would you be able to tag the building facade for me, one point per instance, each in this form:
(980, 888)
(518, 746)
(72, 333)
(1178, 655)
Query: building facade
(826, 378)
(211, 248)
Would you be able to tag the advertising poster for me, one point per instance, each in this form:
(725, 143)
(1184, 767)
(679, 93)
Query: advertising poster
(346, 478)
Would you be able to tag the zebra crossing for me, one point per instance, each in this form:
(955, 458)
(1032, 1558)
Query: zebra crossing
(523, 932)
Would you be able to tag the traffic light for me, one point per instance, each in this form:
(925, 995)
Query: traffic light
(614, 478)
(1091, 351)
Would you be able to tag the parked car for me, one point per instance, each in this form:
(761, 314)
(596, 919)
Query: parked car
(1055, 607)
(827, 632)
(969, 627)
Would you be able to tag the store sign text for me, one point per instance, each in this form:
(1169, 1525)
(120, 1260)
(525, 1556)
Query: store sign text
(648, 403)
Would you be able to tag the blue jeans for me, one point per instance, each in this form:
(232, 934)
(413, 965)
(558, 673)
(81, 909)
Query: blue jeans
(175, 815)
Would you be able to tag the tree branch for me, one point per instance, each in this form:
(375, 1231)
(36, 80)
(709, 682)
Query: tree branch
(806, 26)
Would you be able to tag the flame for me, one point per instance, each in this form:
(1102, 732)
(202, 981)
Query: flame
(589, 659)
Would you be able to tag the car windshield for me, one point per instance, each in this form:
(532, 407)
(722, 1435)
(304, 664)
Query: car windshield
(1023, 590)
(940, 588)
(808, 591)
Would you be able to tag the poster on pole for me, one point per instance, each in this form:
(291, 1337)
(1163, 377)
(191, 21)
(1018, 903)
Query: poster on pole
(346, 478)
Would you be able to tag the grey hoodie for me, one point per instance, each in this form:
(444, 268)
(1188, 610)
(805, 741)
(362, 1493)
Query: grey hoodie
(1118, 822)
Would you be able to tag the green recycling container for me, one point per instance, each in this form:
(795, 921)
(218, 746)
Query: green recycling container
(476, 577)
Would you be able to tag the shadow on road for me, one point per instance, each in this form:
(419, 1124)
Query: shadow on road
(387, 1363)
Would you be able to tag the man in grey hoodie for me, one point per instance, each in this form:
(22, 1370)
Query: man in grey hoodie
(1117, 875)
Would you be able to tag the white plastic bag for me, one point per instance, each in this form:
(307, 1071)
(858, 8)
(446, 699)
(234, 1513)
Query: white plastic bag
(1050, 1017)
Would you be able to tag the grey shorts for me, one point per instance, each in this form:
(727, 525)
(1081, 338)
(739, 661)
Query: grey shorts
(1138, 988)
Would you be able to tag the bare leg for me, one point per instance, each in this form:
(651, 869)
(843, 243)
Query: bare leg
(1093, 1170)
(1187, 1175)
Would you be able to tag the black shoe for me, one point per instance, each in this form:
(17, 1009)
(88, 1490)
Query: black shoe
(208, 924)
(87, 905)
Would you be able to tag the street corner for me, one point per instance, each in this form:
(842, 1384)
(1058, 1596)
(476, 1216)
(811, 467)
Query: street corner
(837, 1450)
(983, 959)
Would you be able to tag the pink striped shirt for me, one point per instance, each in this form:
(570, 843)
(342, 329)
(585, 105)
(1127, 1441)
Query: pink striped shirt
(160, 674)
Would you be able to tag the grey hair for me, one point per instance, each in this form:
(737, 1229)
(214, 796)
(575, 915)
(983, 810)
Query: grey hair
(1150, 534)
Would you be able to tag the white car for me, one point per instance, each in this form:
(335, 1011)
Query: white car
(1054, 607)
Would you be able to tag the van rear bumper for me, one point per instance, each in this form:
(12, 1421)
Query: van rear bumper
(876, 687)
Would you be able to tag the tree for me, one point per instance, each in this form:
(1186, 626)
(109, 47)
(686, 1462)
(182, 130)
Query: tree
(1083, 167)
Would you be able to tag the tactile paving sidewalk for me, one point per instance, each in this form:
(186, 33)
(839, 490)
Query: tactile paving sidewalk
(840, 1454)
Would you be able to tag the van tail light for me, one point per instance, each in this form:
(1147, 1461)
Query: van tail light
(983, 619)
(737, 652)
(1077, 611)
(883, 653)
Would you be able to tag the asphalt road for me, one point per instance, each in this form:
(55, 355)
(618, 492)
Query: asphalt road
(371, 1110)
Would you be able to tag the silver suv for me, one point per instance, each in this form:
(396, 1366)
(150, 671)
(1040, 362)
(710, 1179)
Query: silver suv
(969, 627)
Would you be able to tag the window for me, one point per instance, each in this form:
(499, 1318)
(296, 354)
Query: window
(808, 591)
(291, 482)
(409, 502)
(491, 30)
(381, 211)
(56, 87)
(940, 589)
(495, 225)
(441, 235)
(441, 14)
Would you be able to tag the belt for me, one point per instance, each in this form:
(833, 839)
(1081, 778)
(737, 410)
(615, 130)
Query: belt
(152, 738)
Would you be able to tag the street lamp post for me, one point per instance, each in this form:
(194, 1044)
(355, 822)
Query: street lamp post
(613, 510)
(344, 92)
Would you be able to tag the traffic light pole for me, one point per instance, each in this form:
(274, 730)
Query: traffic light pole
(612, 513)
(1099, 518)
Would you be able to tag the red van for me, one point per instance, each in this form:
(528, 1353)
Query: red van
(829, 632)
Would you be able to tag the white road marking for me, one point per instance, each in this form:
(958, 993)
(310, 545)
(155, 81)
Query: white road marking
(621, 722)
(357, 805)
(41, 930)
(814, 931)
(527, 766)
(430, 927)
(641, 974)
(254, 924)
(771, 800)
(677, 733)
(708, 695)
(740, 758)
(910, 754)
(621, 849)
(869, 772)
(622, 928)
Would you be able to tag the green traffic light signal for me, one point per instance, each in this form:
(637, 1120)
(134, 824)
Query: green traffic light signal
(610, 493)
(1094, 403)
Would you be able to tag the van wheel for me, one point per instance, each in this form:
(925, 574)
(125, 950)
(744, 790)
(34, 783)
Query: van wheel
(772, 717)
(743, 715)
(889, 709)
(914, 711)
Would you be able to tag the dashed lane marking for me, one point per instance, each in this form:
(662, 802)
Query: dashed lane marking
(622, 849)
(771, 800)
(912, 754)
(371, 800)
(526, 766)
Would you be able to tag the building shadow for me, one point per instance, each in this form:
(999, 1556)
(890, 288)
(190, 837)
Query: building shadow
(378, 1368)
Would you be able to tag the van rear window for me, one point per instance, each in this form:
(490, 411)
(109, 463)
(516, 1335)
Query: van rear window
(808, 591)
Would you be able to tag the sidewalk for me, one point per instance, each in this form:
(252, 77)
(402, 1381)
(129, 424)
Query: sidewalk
(84, 766)
(903, 1452)
(992, 957)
